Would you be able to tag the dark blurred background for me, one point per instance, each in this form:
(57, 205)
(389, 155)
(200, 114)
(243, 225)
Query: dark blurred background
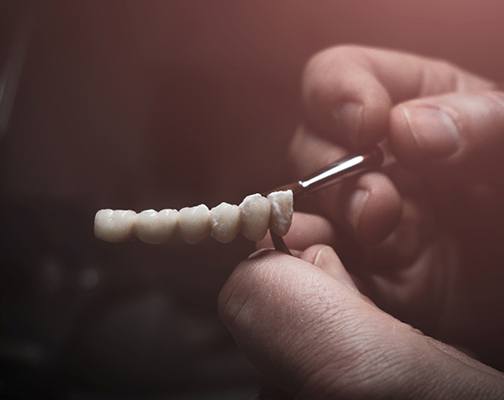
(160, 104)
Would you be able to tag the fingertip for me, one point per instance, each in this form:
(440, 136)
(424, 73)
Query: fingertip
(252, 268)
(306, 230)
(310, 152)
(325, 258)
(342, 98)
(373, 208)
(401, 141)
(310, 254)
(265, 242)
(424, 132)
(448, 132)
(239, 286)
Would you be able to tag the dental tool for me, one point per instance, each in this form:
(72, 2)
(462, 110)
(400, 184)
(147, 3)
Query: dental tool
(349, 166)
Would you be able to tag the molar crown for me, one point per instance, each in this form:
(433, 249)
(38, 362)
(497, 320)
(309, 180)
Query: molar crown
(194, 223)
(281, 211)
(156, 227)
(225, 222)
(114, 226)
(255, 215)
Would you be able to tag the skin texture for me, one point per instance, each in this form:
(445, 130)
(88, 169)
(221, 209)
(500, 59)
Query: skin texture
(418, 243)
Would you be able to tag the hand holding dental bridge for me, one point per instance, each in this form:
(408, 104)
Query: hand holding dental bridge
(401, 261)
(397, 263)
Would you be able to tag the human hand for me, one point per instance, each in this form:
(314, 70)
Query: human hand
(422, 240)
(305, 325)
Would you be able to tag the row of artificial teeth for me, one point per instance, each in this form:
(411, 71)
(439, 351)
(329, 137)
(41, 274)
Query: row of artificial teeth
(253, 217)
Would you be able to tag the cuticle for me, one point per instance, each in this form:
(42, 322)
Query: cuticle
(448, 111)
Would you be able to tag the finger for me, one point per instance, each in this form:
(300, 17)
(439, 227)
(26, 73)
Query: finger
(306, 230)
(373, 207)
(369, 207)
(264, 293)
(310, 152)
(348, 91)
(325, 258)
(317, 338)
(404, 244)
(453, 133)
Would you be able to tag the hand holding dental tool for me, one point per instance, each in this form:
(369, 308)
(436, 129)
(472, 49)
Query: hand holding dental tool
(252, 218)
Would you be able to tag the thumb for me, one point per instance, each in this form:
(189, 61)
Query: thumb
(309, 330)
(459, 134)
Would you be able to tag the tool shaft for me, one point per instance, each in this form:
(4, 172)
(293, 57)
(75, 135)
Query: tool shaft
(342, 169)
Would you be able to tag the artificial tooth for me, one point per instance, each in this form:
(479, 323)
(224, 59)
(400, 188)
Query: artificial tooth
(168, 221)
(156, 227)
(225, 222)
(194, 223)
(114, 225)
(281, 211)
(255, 216)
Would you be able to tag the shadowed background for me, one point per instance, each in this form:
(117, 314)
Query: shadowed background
(157, 104)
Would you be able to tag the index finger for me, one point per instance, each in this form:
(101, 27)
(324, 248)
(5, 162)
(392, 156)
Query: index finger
(348, 91)
(306, 230)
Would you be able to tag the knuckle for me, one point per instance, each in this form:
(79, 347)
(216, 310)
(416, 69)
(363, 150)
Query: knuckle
(329, 55)
(327, 58)
(322, 64)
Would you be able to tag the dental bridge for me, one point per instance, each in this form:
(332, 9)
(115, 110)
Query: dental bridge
(253, 218)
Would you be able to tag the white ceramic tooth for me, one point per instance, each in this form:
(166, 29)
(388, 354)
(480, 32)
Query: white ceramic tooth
(114, 225)
(225, 222)
(255, 216)
(156, 227)
(168, 220)
(282, 207)
(194, 223)
(103, 223)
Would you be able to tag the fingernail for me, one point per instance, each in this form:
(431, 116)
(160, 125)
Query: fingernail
(259, 253)
(320, 257)
(358, 201)
(433, 130)
(349, 118)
